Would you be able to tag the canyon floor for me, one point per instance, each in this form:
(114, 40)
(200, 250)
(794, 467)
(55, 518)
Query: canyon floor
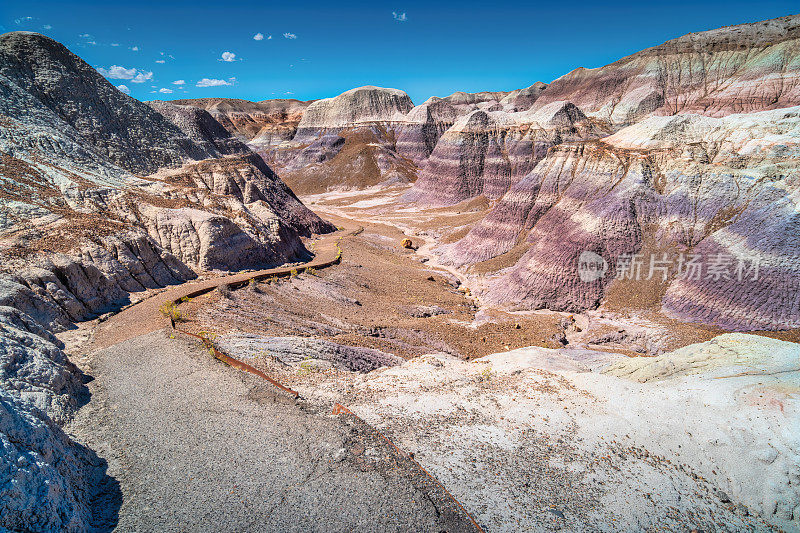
(509, 411)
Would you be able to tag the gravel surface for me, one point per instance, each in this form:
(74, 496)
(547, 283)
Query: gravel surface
(196, 445)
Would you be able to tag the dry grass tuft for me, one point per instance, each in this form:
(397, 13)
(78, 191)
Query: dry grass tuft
(171, 311)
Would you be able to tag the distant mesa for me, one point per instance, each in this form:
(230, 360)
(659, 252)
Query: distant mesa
(265, 123)
(356, 107)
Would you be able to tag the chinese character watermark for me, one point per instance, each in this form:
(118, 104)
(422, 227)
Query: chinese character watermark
(662, 267)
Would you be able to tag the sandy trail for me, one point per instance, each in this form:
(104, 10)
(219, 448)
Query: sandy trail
(143, 317)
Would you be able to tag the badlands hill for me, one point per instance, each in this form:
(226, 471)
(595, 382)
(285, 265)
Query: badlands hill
(723, 191)
(116, 175)
(690, 176)
(104, 196)
(736, 69)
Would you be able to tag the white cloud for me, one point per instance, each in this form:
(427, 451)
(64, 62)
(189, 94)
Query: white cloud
(47, 27)
(179, 82)
(134, 48)
(142, 77)
(164, 90)
(258, 36)
(400, 17)
(269, 37)
(160, 61)
(228, 57)
(22, 20)
(115, 44)
(116, 72)
(124, 89)
(290, 35)
(91, 42)
(206, 82)
(85, 36)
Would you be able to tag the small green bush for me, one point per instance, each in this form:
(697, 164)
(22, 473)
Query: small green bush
(170, 310)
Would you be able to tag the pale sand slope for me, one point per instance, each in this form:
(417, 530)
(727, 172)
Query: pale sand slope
(707, 436)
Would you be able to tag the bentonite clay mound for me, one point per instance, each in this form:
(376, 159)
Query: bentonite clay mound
(736, 69)
(654, 181)
(485, 153)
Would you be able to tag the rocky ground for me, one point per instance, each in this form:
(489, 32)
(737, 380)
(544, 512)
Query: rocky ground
(196, 445)
(539, 439)
(381, 296)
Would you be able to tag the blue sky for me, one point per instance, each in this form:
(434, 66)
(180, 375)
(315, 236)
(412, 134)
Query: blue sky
(320, 49)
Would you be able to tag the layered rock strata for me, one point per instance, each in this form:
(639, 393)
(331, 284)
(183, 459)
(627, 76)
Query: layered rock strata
(356, 107)
(485, 153)
(420, 130)
(719, 192)
(347, 142)
(736, 69)
(264, 124)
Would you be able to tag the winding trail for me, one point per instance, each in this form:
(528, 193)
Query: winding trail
(143, 317)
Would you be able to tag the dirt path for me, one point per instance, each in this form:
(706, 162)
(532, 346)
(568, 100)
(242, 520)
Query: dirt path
(144, 317)
(199, 446)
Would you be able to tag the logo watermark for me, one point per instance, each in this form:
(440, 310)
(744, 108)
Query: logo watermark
(591, 266)
(713, 267)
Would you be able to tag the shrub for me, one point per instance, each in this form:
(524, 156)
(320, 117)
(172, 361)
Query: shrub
(252, 284)
(171, 311)
(486, 374)
(208, 341)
